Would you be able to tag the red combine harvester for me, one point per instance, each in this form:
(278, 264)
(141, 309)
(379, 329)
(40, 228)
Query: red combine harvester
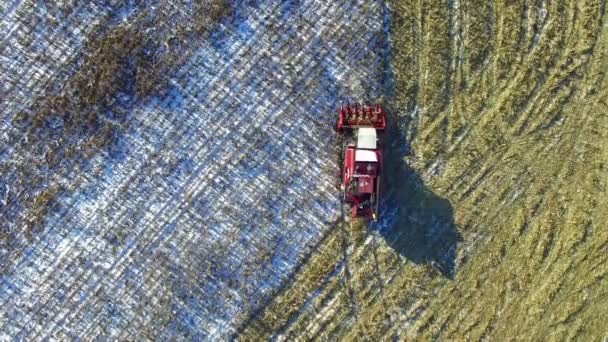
(363, 126)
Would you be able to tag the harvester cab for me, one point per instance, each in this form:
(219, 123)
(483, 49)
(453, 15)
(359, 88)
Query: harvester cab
(361, 128)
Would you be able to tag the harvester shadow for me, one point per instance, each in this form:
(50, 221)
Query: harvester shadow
(418, 224)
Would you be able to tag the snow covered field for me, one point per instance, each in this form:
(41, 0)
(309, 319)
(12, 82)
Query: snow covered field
(216, 191)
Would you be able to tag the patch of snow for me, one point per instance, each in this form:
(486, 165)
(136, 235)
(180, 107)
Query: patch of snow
(221, 188)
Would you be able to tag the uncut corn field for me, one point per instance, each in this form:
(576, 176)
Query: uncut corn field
(170, 170)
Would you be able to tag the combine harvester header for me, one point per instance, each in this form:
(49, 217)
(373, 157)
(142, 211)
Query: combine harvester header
(361, 128)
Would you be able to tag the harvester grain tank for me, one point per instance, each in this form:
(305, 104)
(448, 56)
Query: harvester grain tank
(362, 127)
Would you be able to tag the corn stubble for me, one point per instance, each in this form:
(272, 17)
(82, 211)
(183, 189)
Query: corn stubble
(60, 133)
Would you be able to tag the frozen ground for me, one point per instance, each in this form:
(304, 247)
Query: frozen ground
(215, 193)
